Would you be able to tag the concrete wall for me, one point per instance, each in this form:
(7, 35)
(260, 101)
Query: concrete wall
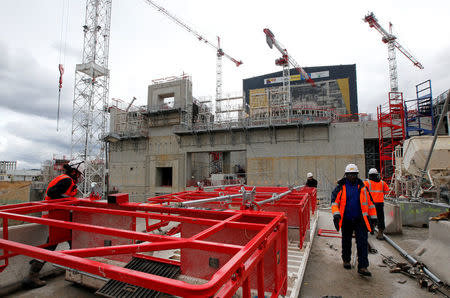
(417, 214)
(435, 251)
(272, 156)
(181, 90)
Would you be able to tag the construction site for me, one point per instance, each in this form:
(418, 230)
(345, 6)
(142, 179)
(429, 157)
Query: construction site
(209, 196)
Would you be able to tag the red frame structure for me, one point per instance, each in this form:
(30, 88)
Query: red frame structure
(251, 246)
(297, 205)
(391, 132)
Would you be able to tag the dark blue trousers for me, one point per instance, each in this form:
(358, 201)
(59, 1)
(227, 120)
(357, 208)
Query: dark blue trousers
(357, 225)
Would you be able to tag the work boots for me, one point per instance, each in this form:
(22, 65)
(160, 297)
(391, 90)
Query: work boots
(380, 235)
(32, 280)
(364, 272)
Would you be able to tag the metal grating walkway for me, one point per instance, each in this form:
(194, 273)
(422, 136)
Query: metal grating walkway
(114, 288)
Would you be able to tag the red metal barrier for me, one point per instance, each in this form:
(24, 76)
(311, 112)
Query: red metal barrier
(297, 205)
(228, 249)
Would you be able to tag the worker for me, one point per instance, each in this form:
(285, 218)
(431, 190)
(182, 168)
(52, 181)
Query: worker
(353, 210)
(310, 181)
(378, 189)
(64, 185)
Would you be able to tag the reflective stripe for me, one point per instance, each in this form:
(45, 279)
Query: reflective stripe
(334, 204)
(370, 185)
(336, 212)
(365, 214)
(377, 191)
(372, 207)
(373, 216)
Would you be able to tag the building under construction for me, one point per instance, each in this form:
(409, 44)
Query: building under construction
(205, 196)
(177, 140)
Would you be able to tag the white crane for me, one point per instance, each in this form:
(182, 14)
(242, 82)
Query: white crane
(90, 103)
(200, 37)
(392, 43)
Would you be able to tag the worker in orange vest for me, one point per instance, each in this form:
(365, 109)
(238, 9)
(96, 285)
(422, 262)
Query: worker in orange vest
(378, 189)
(353, 210)
(64, 185)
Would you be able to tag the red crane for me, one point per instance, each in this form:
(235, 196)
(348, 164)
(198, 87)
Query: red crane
(285, 59)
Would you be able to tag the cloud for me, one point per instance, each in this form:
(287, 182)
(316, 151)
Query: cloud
(32, 140)
(28, 87)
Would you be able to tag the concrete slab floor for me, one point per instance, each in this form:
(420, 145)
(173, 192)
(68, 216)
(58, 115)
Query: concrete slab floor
(325, 274)
(56, 287)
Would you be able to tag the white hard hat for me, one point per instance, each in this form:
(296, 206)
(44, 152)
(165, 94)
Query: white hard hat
(351, 168)
(373, 171)
(309, 175)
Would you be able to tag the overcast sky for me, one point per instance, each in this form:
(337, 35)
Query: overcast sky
(146, 45)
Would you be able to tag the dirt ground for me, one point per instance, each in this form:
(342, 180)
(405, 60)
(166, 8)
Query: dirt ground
(325, 274)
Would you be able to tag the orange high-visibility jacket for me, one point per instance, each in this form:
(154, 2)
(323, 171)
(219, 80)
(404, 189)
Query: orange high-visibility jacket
(377, 189)
(367, 207)
(70, 192)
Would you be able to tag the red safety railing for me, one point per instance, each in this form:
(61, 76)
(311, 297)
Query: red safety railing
(298, 205)
(249, 248)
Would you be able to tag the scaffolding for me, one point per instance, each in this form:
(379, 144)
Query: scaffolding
(419, 112)
(130, 121)
(391, 132)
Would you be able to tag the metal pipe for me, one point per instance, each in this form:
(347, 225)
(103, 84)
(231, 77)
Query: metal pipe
(432, 276)
(412, 260)
(279, 196)
(401, 251)
(221, 186)
(81, 272)
(437, 204)
(441, 120)
(216, 199)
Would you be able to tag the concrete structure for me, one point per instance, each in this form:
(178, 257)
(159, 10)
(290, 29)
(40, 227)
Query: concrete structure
(434, 252)
(175, 150)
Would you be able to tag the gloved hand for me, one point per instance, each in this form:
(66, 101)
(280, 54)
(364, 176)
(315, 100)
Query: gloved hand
(336, 220)
(373, 222)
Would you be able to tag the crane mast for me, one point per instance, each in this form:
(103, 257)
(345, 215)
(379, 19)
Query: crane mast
(219, 52)
(391, 40)
(285, 61)
(90, 103)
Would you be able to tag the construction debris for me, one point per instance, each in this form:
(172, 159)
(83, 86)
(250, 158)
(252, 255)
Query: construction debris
(415, 272)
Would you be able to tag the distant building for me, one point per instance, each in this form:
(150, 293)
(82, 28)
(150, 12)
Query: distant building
(335, 90)
(6, 166)
(22, 175)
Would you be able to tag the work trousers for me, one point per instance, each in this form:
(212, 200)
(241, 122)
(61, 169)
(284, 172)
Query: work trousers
(357, 225)
(380, 215)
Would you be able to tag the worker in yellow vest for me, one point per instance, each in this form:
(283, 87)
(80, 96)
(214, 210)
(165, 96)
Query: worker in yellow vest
(378, 189)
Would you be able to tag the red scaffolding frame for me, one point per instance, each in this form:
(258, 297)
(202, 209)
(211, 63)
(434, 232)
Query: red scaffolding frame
(297, 205)
(391, 132)
(251, 247)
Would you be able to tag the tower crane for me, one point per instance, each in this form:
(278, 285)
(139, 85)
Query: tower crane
(200, 37)
(90, 103)
(285, 61)
(391, 40)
